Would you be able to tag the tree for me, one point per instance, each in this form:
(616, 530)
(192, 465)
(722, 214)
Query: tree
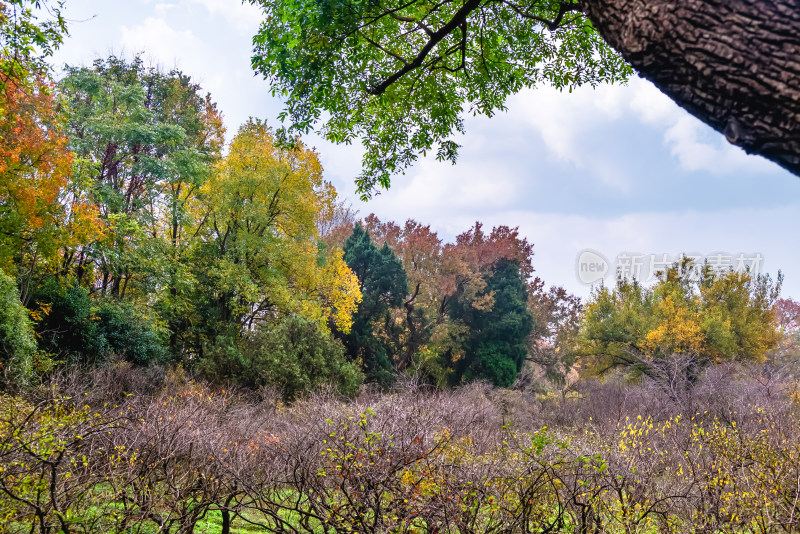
(691, 312)
(144, 142)
(257, 255)
(383, 286)
(37, 215)
(727, 62)
(424, 329)
(556, 323)
(295, 356)
(30, 31)
(423, 312)
(472, 264)
(401, 74)
(17, 341)
(75, 328)
(787, 314)
(495, 347)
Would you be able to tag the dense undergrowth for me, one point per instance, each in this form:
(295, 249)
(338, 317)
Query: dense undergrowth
(120, 449)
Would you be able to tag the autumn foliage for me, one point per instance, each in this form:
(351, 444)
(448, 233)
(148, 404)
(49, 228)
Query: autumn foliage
(135, 233)
(188, 324)
(40, 215)
(691, 312)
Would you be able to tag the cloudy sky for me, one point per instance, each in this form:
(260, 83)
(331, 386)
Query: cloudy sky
(616, 170)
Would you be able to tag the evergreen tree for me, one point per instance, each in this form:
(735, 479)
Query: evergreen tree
(494, 348)
(383, 286)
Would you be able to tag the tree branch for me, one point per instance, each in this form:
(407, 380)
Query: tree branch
(459, 18)
(551, 25)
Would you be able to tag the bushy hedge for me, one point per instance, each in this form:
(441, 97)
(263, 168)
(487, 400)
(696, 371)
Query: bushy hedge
(294, 356)
(78, 329)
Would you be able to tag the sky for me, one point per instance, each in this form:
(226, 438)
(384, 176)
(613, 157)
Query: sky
(599, 180)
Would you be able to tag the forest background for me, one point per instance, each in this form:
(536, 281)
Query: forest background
(156, 268)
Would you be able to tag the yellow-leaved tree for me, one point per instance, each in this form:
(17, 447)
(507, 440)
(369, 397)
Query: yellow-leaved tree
(690, 318)
(261, 252)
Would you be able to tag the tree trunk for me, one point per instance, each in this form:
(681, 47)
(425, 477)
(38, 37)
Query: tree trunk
(413, 342)
(226, 521)
(734, 64)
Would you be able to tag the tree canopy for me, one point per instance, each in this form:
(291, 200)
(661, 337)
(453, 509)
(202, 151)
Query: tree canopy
(402, 74)
(383, 285)
(130, 231)
(17, 340)
(691, 311)
(30, 31)
(494, 348)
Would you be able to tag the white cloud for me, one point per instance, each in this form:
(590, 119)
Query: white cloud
(163, 8)
(699, 149)
(563, 118)
(170, 47)
(160, 40)
(438, 191)
(568, 123)
(244, 17)
(650, 105)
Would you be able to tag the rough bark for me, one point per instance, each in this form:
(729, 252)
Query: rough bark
(734, 64)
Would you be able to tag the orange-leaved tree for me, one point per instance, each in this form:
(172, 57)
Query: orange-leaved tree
(42, 208)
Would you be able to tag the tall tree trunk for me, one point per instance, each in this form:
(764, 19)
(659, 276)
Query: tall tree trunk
(734, 64)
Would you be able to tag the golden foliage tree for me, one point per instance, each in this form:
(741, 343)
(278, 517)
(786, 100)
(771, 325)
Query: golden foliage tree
(260, 212)
(691, 312)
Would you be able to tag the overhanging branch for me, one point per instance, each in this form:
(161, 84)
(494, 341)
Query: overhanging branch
(458, 19)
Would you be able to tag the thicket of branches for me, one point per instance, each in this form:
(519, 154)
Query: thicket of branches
(127, 450)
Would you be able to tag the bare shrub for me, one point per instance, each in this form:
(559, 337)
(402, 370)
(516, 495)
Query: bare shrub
(723, 456)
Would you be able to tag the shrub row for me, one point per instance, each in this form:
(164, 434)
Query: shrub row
(185, 458)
